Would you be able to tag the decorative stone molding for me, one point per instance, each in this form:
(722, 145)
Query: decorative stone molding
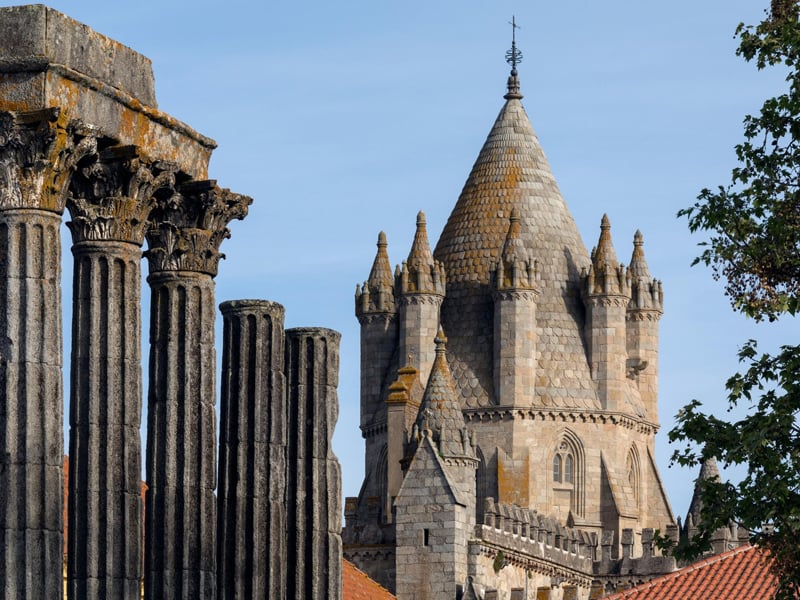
(38, 153)
(607, 300)
(368, 318)
(416, 299)
(111, 198)
(528, 295)
(493, 414)
(186, 229)
(644, 315)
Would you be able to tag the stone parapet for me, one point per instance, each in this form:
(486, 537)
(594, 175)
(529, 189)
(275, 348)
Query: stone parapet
(533, 536)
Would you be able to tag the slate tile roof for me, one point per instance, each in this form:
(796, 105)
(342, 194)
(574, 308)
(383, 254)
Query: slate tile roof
(356, 585)
(511, 173)
(740, 574)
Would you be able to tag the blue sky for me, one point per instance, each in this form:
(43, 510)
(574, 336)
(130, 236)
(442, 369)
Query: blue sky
(343, 119)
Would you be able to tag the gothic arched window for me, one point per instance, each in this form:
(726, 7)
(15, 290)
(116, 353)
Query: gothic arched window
(569, 473)
(563, 464)
(557, 468)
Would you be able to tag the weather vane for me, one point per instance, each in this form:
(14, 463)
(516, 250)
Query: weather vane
(513, 56)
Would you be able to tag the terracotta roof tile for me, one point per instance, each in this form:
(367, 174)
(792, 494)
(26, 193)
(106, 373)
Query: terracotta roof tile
(740, 574)
(356, 585)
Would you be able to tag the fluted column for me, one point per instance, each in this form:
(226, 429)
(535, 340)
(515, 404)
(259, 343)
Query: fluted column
(110, 199)
(251, 534)
(180, 524)
(36, 159)
(314, 484)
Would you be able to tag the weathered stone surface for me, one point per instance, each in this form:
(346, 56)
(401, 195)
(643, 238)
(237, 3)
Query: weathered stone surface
(105, 507)
(180, 522)
(31, 405)
(187, 228)
(35, 34)
(48, 59)
(314, 481)
(252, 502)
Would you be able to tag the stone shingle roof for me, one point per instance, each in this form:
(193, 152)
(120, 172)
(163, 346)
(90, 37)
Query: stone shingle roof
(356, 585)
(740, 574)
(512, 173)
(439, 410)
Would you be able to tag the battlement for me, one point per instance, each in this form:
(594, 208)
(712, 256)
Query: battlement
(529, 533)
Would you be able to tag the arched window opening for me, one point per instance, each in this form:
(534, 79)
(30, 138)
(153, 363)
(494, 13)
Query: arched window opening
(557, 468)
(569, 472)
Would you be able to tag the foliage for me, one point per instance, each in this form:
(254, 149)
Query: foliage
(755, 221)
(754, 246)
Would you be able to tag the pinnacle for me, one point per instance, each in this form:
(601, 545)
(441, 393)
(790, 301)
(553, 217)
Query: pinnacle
(604, 254)
(381, 273)
(420, 254)
(638, 263)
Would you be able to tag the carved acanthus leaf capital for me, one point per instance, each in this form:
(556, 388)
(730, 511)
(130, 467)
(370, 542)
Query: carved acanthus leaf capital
(38, 154)
(111, 197)
(187, 229)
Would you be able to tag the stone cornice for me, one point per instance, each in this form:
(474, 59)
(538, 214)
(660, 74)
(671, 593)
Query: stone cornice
(373, 429)
(38, 64)
(38, 154)
(186, 229)
(644, 314)
(420, 298)
(499, 413)
(368, 318)
(516, 294)
(492, 542)
(618, 300)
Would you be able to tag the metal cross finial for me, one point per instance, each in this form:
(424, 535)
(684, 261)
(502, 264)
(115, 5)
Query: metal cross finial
(514, 56)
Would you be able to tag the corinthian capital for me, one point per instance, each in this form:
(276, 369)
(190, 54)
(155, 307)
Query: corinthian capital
(111, 197)
(187, 229)
(38, 153)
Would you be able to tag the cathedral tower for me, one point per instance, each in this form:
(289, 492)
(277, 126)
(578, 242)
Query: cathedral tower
(552, 369)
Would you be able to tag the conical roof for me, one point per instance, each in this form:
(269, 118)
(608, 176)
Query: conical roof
(439, 411)
(512, 173)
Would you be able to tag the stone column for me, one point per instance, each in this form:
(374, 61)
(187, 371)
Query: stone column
(314, 483)
(109, 201)
(180, 524)
(36, 160)
(251, 533)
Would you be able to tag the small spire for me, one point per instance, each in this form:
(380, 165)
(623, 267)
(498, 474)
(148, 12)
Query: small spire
(440, 412)
(604, 253)
(638, 263)
(420, 253)
(377, 294)
(420, 273)
(513, 57)
(441, 341)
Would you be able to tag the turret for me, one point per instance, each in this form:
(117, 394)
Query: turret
(514, 295)
(402, 407)
(421, 291)
(435, 507)
(606, 293)
(644, 312)
(377, 313)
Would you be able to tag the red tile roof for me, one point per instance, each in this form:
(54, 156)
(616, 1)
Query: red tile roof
(740, 574)
(356, 585)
